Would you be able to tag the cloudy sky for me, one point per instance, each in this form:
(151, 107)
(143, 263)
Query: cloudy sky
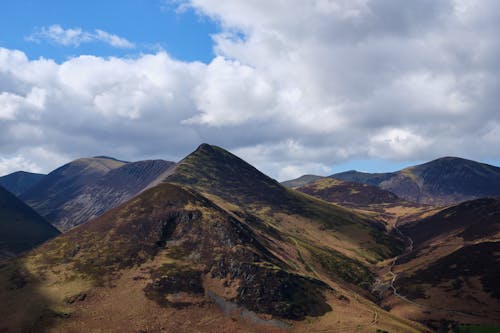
(292, 86)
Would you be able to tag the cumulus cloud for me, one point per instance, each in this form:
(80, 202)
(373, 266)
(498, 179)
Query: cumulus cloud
(295, 87)
(76, 36)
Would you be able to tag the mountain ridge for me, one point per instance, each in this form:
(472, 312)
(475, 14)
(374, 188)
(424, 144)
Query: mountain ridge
(19, 181)
(443, 181)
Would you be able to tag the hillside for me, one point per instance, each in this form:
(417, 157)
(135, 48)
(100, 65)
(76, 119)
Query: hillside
(86, 188)
(452, 269)
(172, 253)
(443, 181)
(21, 228)
(301, 181)
(19, 181)
(108, 191)
(50, 193)
(349, 194)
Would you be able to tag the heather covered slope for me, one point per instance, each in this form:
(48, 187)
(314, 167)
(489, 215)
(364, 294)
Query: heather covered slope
(443, 181)
(19, 181)
(172, 253)
(453, 267)
(86, 188)
(21, 228)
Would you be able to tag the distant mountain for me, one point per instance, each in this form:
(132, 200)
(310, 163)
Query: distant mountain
(21, 228)
(86, 188)
(454, 262)
(301, 181)
(443, 181)
(19, 181)
(349, 194)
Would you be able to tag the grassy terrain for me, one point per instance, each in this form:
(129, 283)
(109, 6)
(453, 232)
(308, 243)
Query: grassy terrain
(477, 329)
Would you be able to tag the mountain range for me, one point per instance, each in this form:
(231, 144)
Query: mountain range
(443, 181)
(88, 187)
(212, 244)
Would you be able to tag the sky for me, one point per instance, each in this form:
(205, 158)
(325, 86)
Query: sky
(293, 87)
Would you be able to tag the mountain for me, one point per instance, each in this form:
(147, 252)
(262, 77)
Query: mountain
(19, 181)
(301, 181)
(452, 267)
(349, 194)
(216, 247)
(374, 179)
(107, 191)
(21, 228)
(244, 190)
(53, 190)
(444, 181)
(88, 187)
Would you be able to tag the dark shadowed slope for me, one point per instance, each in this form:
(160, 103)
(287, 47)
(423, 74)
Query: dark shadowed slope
(301, 181)
(19, 181)
(21, 228)
(455, 262)
(470, 220)
(86, 188)
(443, 181)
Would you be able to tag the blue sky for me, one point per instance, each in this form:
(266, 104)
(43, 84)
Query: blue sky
(149, 24)
(293, 87)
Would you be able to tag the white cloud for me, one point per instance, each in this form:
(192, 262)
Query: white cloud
(16, 163)
(295, 87)
(76, 36)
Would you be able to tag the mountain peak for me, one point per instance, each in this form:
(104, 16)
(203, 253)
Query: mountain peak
(215, 170)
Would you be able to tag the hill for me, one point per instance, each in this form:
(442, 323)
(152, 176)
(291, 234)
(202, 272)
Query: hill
(301, 181)
(349, 194)
(88, 187)
(444, 181)
(452, 268)
(19, 181)
(21, 228)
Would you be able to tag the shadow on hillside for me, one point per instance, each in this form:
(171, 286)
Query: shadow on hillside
(24, 308)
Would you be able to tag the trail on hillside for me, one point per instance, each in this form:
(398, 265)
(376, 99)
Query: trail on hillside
(408, 250)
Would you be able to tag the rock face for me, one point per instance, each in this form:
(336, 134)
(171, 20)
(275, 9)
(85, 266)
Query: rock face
(86, 188)
(20, 181)
(447, 180)
(21, 228)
